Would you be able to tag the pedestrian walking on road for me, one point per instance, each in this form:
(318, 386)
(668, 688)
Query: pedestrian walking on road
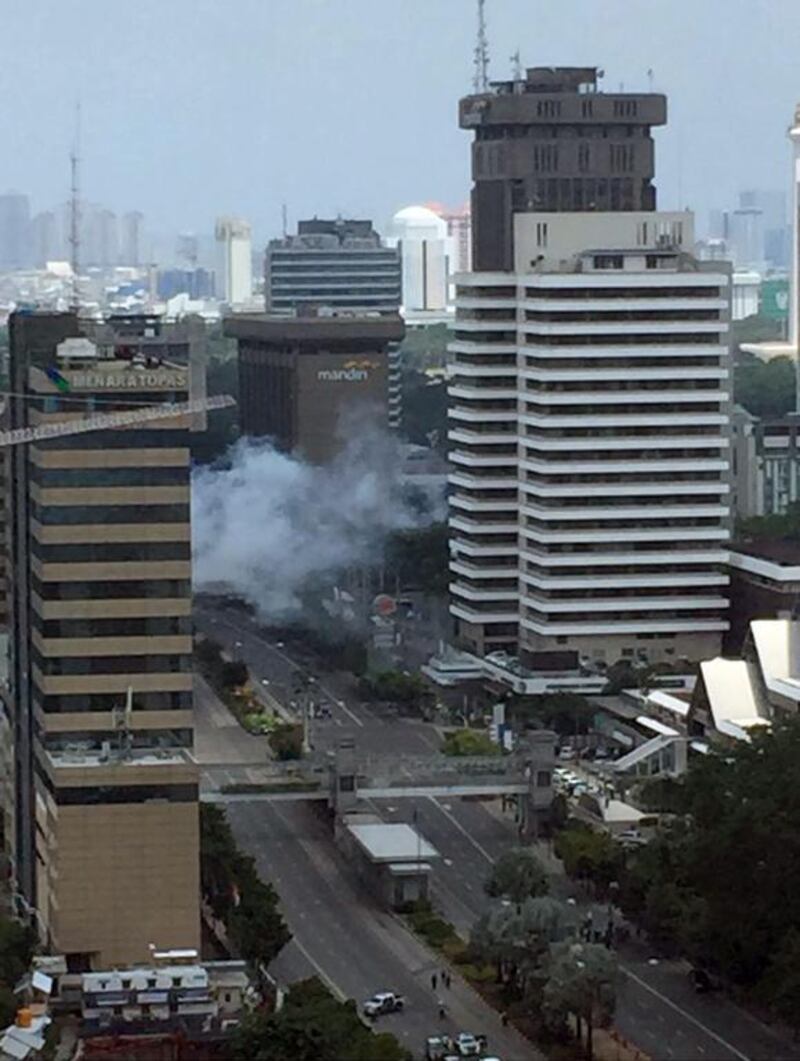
(433, 982)
(504, 1019)
(442, 1010)
(446, 980)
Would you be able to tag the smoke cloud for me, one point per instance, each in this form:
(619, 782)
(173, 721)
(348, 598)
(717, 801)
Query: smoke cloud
(270, 526)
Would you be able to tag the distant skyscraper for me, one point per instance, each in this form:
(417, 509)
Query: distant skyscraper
(340, 264)
(234, 280)
(15, 251)
(107, 239)
(132, 238)
(45, 242)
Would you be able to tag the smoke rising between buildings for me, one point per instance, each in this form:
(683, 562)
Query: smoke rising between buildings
(269, 526)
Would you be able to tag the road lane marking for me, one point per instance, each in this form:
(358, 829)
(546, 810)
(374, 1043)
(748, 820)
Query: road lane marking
(672, 1005)
(261, 643)
(340, 995)
(481, 850)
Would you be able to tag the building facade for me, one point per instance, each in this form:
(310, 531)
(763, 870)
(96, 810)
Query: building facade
(100, 685)
(301, 378)
(589, 407)
(552, 143)
(766, 463)
(234, 276)
(422, 240)
(341, 264)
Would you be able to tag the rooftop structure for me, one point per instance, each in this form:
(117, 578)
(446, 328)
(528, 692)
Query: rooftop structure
(733, 696)
(554, 142)
(340, 263)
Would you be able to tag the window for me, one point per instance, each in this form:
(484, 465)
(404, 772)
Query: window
(627, 652)
(543, 779)
(608, 261)
(541, 233)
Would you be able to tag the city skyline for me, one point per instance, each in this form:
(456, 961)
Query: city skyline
(145, 119)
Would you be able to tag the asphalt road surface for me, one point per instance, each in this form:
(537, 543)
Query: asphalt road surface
(359, 949)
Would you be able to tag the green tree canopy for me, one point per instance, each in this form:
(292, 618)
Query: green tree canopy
(517, 875)
(465, 742)
(312, 1026)
(722, 882)
(764, 388)
(516, 939)
(581, 980)
(589, 855)
(230, 883)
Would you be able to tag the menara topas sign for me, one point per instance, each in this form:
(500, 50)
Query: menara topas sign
(129, 380)
(355, 371)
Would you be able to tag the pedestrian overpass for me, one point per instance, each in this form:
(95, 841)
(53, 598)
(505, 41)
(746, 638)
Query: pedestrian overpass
(343, 777)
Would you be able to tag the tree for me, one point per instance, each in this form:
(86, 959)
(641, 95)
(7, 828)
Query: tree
(589, 855)
(621, 675)
(424, 410)
(517, 875)
(764, 388)
(779, 526)
(581, 980)
(781, 984)
(466, 742)
(233, 674)
(516, 939)
(17, 944)
(232, 887)
(419, 558)
(312, 1026)
(286, 740)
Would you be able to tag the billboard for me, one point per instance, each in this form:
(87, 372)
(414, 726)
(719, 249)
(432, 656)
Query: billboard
(775, 299)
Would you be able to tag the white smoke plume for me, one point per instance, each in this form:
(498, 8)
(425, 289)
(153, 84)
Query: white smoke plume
(270, 525)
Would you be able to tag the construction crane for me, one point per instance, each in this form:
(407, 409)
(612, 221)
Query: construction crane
(105, 421)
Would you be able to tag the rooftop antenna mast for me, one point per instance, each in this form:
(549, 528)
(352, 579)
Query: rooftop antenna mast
(74, 212)
(480, 81)
(516, 66)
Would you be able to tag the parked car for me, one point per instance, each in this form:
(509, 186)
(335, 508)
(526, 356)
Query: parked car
(566, 752)
(631, 838)
(383, 1002)
(468, 1045)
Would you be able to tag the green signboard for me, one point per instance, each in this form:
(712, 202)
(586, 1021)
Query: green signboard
(775, 299)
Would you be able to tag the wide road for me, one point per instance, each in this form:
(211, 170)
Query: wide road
(341, 935)
(657, 1010)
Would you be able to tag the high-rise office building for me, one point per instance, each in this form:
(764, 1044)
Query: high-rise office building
(106, 805)
(589, 392)
(15, 219)
(132, 238)
(341, 264)
(45, 246)
(301, 378)
(553, 142)
(234, 278)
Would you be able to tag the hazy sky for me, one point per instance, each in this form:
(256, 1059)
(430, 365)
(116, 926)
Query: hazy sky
(193, 108)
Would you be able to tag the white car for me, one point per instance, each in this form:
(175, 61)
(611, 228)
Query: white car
(467, 1045)
(383, 1002)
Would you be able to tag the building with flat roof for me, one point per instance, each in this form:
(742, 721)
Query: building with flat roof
(589, 396)
(301, 378)
(106, 821)
(340, 263)
(764, 584)
(552, 142)
(234, 273)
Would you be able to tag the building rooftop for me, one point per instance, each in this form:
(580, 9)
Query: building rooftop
(338, 326)
(781, 552)
(392, 842)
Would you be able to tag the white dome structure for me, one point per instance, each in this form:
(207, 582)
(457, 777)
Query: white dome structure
(417, 222)
(424, 246)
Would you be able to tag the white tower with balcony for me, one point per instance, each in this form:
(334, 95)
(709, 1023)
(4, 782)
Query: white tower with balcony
(590, 398)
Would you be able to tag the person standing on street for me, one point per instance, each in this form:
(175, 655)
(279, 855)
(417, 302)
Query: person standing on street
(433, 982)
